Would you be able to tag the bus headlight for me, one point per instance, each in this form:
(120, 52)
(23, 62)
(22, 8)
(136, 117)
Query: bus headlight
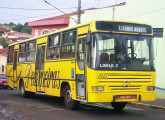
(150, 88)
(97, 88)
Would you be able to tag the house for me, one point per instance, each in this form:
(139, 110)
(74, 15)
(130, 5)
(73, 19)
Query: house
(16, 36)
(3, 60)
(4, 29)
(47, 25)
(1, 46)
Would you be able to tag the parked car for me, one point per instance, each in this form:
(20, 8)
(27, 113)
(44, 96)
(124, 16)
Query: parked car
(3, 81)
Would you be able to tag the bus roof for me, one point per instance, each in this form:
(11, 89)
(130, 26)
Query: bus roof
(75, 26)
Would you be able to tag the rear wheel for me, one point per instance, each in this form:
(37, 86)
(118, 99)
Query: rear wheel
(118, 105)
(24, 93)
(69, 102)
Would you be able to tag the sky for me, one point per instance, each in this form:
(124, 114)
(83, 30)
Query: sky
(22, 11)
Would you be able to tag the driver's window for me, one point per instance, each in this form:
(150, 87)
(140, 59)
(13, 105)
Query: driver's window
(81, 53)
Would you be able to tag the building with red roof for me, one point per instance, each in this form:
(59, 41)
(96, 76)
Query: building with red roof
(16, 36)
(47, 25)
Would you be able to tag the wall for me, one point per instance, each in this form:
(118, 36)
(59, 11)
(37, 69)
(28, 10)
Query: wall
(40, 28)
(144, 11)
(3, 60)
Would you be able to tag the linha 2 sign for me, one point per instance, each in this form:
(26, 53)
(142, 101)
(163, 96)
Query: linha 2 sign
(109, 65)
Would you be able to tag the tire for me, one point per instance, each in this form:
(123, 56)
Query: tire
(24, 93)
(69, 103)
(118, 105)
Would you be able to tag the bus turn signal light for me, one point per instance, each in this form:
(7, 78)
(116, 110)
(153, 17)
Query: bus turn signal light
(150, 88)
(97, 88)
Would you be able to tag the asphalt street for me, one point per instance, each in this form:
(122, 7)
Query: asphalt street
(42, 107)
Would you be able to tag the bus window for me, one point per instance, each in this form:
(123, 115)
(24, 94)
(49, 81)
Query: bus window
(10, 54)
(68, 44)
(81, 53)
(31, 47)
(22, 50)
(53, 47)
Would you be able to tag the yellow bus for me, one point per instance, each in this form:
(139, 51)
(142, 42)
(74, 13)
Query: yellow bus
(98, 61)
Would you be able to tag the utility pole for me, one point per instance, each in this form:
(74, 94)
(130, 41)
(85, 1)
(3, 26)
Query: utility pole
(79, 12)
(113, 16)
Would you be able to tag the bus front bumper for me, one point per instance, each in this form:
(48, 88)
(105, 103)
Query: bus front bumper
(121, 97)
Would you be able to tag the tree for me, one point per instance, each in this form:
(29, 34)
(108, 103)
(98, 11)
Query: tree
(22, 28)
(11, 24)
(3, 42)
(18, 27)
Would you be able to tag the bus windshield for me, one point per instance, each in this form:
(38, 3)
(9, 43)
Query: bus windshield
(120, 52)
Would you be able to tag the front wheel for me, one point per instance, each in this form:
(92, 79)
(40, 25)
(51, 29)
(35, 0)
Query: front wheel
(118, 105)
(69, 102)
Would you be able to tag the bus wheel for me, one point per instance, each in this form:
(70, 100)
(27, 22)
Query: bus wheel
(24, 93)
(69, 103)
(118, 105)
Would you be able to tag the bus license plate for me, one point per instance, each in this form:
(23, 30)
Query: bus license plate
(125, 96)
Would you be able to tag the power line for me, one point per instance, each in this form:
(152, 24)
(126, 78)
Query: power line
(31, 8)
(29, 17)
(59, 10)
(145, 13)
(13, 14)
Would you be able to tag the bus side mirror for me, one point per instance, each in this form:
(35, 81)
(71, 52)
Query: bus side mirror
(88, 38)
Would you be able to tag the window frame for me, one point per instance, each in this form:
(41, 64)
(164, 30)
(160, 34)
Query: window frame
(22, 52)
(27, 51)
(67, 44)
(53, 46)
(10, 53)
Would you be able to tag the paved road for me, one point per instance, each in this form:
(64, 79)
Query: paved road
(42, 107)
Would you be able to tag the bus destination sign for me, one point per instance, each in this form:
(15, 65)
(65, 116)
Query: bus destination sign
(123, 27)
(132, 29)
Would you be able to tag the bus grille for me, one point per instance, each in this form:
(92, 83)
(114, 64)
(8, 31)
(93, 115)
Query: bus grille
(125, 82)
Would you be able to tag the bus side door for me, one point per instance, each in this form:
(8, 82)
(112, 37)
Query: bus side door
(15, 68)
(40, 59)
(80, 72)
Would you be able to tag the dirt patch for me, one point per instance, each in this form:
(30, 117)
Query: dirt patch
(7, 113)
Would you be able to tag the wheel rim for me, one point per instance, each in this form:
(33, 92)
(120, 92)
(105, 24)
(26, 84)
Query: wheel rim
(68, 96)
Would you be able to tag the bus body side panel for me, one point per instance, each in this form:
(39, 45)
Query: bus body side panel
(26, 72)
(114, 84)
(9, 74)
(58, 72)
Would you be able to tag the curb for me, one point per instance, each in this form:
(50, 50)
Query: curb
(148, 105)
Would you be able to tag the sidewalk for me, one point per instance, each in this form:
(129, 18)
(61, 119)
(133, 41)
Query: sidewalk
(158, 104)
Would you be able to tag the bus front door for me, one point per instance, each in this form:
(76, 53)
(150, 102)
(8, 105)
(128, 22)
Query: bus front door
(15, 79)
(40, 85)
(80, 69)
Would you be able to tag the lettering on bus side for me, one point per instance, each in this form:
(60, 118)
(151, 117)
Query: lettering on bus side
(46, 78)
(42, 78)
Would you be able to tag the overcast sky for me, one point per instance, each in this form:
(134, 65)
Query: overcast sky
(21, 11)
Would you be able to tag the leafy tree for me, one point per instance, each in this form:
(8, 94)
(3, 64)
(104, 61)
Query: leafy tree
(18, 27)
(1, 32)
(27, 29)
(11, 24)
(3, 42)
(22, 28)
(26, 24)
